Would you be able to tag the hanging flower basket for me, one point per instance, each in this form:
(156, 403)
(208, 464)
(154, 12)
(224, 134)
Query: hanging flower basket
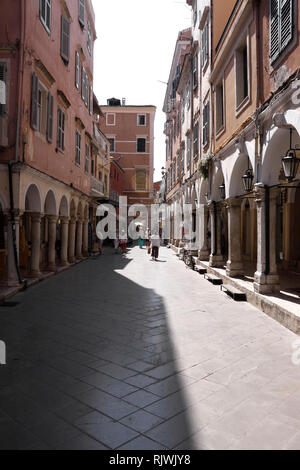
(204, 165)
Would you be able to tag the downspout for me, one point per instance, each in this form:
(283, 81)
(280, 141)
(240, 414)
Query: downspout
(16, 156)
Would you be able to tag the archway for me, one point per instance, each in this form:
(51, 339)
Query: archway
(221, 216)
(32, 205)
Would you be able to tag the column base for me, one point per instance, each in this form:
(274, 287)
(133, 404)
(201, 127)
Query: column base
(72, 259)
(203, 255)
(216, 261)
(12, 283)
(266, 284)
(52, 268)
(64, 264)
(234, 269)
(35, 274)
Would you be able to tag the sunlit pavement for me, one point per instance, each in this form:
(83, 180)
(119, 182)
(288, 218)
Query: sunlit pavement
(122, 352)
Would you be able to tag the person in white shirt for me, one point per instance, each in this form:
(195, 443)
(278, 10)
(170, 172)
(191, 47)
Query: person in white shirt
(155, 244)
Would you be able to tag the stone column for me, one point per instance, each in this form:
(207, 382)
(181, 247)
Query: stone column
(72, 231)
(79, 239)
(266, 279)
(216, 259)
(235, 266)
(203, 254)
(35, 245)
(52, 225)
(86, 237)
(64, 240)
(12, 273)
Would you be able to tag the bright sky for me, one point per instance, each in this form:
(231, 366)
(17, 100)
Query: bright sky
(134, 50)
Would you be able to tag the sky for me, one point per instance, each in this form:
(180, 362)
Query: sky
(134, 52)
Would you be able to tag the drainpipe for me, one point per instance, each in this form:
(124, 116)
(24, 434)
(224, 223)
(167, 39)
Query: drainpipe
(16, 156)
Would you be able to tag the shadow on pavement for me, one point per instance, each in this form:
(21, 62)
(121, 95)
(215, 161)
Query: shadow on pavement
(91, 365)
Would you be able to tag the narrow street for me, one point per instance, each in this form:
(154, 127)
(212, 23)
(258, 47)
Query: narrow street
(145, 356)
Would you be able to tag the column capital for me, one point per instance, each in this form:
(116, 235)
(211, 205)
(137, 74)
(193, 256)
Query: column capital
(52, 218)
(36, 216)
(73, 220)
(65, 219)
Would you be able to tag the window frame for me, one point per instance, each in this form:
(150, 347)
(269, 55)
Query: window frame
(43, 20)
(78, 148)
(138, 120)
(242, 101)
(281, 46)
(77, 70)
(61, 125)
(220, 126)
(81, 9)
(87, 158)
(205, 124)
(205, 44)
(106, 119)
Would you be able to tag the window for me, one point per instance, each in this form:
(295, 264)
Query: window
(3, 94)
(45, 14)
(188, 152)
(84, 86)
(196, 140)
(205, 124)
(205, 45)
(93, 167)
(281, 26)
(81, 12)
(65, 39)
(91, 101)
(141, 145)
(140, 180)
(178, 165)
(60, 130)
(220, 106)
(241, 73)
(112, 144)
(78, 148)
(42, 105)
(77, 70)
(110, 119)
(100, 176)
(141, 120)
(195, 71)
(87, 158)
(182, 161)
(195, 13)
(89, 38)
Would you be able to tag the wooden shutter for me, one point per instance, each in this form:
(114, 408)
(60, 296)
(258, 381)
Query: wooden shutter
(286, 22)
(82, 82)
(65, 39)
(77, 70)
(34, 102)
(50, 109)
(3, 88)
(274, 30)
(81, 13)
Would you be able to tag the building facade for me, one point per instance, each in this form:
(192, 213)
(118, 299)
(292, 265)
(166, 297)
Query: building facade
(244, 122)
(130, 130)
(47, 134)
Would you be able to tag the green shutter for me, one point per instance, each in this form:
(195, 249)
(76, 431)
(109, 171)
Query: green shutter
(50, 110)
(65, 39)
(286, 24)
(274, 30)
(34, 102)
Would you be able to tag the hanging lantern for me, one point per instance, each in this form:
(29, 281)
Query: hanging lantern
(290, 164)
(248, 180)
(222, 191)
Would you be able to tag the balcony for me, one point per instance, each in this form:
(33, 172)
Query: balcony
(97, 188)
(100, 140)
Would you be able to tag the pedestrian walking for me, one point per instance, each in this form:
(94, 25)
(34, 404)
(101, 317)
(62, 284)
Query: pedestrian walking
(116, 245)
(155, 244)
(141, 242)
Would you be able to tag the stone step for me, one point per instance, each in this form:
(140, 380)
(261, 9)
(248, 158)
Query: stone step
(235, 293)
(216, 281)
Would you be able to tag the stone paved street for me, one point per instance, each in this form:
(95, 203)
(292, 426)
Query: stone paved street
(125, 353)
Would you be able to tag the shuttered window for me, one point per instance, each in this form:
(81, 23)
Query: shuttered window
(77, 148)
(205, 125)
(2, 89)
(205, 45)
(50, 109)
(84, 87)
(188, 152)
(91, 100)
(196, 141)
(77, 70)
(61, 129)
(89, 38)
(281, 26)
(45, 14)
(87, 158)
(34, 102)
(81, 13)
(195, 71)
(141, 180)
(65, 39)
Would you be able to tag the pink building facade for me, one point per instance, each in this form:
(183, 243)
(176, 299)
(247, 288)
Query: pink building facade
(47, 134)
